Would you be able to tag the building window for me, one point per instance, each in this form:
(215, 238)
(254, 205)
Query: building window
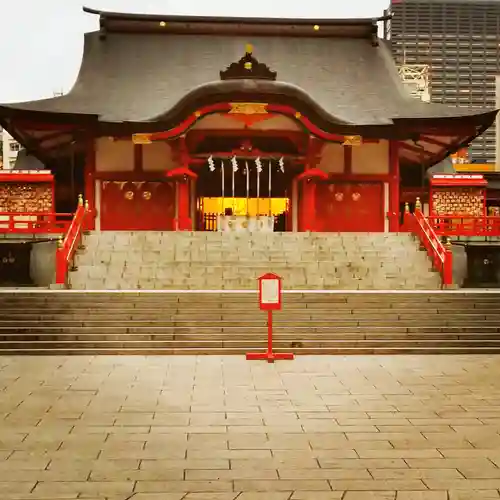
(15, 146)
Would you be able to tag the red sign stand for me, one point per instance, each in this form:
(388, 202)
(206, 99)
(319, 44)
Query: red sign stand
(270, 293)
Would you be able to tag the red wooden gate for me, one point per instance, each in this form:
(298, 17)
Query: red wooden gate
(350, 207)
(137, 206)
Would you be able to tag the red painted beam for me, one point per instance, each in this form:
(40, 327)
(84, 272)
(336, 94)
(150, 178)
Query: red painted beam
(194, 137)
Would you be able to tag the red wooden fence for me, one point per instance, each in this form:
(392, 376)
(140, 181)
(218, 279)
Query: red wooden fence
(68, 246)
(440, 254)
(34, 223)
(453, 225)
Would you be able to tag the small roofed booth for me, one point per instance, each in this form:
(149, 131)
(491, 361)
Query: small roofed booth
(457, 203)
(26, 200)
(249, 106)
(458, 195)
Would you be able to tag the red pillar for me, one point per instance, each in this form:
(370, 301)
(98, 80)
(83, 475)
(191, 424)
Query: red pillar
(394, 187)
(308, 205)
(184, 222)
(89, 181)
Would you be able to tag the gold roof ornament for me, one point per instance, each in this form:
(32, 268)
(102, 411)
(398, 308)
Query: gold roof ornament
(248, 108)
(249, 48)
(141, 139)
(352, 140)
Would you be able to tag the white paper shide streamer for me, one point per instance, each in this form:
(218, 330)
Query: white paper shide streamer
(211, 163)
(281, 163)
(270, 187)
(258, 165)
(247, 173)
(234, 163)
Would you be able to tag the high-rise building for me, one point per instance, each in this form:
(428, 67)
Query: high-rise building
(9, 150)
(459, 41)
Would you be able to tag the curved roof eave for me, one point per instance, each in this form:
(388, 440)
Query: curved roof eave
(239, 20)
(275, 92)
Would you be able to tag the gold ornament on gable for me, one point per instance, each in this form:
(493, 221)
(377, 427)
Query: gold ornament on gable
(248, 108)
(352, 140)
(141, 139)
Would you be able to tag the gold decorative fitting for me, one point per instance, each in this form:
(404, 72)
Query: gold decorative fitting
(298, 115)
(352, 140)
(197, 114)
(316, 27)
(248, 66)
(407, 207)
(129, 195)
(80, 199)
(146, 195)
(163, 24)
(86, 205)
(448, 242)
(141, 138)
(418, 204)
(249, 48)
(248, 108)
(60, 242)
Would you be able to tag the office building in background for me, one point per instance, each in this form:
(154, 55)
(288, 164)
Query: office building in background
(454, 46)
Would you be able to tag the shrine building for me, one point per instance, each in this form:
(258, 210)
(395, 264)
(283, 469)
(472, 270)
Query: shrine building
(200, 123)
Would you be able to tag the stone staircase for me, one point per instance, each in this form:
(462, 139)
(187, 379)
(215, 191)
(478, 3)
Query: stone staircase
(163, 322)
(222, 261)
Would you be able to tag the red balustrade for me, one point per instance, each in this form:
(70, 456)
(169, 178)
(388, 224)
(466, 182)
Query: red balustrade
(456, 225)
(441, 255)
(68, 246)
(34, 223)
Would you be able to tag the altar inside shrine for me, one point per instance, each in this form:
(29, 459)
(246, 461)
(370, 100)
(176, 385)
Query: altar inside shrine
(243, 223)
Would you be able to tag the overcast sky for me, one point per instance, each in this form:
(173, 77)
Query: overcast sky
(42, 40)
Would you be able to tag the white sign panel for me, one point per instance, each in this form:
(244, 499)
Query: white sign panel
(270, 292)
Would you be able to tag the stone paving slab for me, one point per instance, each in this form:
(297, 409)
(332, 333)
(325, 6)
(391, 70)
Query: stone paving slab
(222, 428)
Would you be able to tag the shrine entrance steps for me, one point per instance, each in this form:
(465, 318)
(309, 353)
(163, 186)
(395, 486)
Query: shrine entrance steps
(224, 261)
(69, 322)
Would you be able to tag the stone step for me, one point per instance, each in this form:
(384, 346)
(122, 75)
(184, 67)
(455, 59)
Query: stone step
(217, 261)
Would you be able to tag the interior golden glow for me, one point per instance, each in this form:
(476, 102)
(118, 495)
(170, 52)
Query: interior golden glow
(256, 206)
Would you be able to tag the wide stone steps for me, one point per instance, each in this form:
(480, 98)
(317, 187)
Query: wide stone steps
(70, 322)
(222, 261)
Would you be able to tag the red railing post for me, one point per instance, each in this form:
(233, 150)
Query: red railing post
(407, 218)
(60, 262)
(448, 264)
(67, 247)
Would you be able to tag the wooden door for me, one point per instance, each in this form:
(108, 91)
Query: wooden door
(137, 206)
(350, 207)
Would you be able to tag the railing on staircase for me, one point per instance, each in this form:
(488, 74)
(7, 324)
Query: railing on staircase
(440, 254)
(34, 222)
(68, 245)
(453, 225)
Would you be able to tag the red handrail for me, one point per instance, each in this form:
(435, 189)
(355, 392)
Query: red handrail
(442, 257)
(68, 246)
(465, 225)
(34, 222)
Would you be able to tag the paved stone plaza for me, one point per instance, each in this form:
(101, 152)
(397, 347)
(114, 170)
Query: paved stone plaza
(221, 428)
